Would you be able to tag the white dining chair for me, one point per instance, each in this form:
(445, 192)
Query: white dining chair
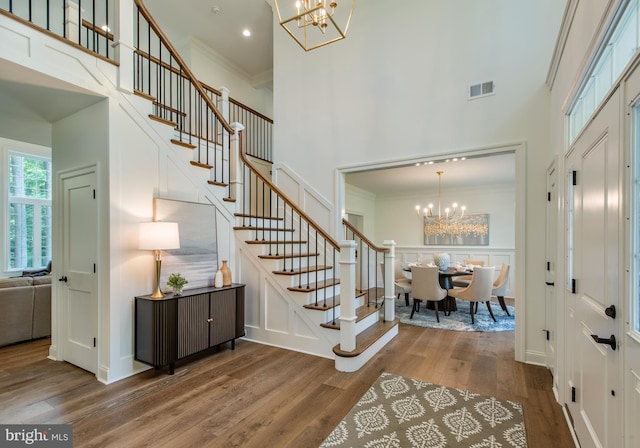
(425, 285)
(401, 283)
(479, 290)
(500, 287)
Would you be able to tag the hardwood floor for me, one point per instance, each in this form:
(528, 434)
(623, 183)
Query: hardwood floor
(261, 396)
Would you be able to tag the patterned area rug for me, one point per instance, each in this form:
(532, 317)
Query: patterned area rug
(403, 412)
(458, 320)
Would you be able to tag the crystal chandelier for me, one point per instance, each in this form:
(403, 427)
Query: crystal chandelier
(449, 223)
(314, 23)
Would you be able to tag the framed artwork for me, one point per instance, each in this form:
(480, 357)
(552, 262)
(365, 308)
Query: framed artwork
(470, 230)
(197, 258)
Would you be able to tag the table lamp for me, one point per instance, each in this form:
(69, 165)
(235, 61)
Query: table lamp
(159, 236)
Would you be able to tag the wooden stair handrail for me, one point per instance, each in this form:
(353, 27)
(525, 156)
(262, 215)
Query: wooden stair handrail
(174, 53)
(285, 198)
(369, 243)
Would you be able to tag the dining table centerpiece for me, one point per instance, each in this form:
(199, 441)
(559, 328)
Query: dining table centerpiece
(442, 260)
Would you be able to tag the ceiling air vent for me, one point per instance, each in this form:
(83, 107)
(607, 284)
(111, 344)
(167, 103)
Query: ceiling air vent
(481, 89)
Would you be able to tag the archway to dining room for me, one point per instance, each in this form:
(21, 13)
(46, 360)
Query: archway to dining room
(490, 182)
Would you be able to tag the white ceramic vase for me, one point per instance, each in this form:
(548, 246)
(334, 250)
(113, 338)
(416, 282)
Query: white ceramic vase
(442, 260)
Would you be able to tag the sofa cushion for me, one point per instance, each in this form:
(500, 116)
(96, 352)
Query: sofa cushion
(44, 280)
(16, 281)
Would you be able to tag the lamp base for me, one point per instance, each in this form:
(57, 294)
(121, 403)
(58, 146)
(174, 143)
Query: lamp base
(158, 294)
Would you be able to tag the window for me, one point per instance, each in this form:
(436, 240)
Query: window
(29, 211)
(609, 63)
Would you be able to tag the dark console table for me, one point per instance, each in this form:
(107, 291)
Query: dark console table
(175, 327)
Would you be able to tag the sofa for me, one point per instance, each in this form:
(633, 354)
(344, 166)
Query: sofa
(25, 308)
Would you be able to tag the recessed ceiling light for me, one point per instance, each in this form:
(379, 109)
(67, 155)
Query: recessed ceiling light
(455, 159)
(246, 32)
(431, 162)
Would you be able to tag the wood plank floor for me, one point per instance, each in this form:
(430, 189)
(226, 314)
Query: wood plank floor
(261, 396)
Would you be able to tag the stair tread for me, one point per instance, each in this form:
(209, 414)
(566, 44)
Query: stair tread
(144, 95)
(314, 286)
(198, 137)
(163, 120)
(184, 144)
(274, 242)
(361, 312)
(328, 305)
(367, 338)
(304, 270)
(248, 215)
(217, 184)
(201, 165)
(286, 256)
(275, 229)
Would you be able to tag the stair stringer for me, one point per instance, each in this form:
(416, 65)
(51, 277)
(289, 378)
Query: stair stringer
(275, 316)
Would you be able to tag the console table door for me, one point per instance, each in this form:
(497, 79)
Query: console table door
(223, 313)
(193, 328)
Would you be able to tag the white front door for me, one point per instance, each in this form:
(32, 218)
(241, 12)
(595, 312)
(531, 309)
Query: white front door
(550, 275)
(78, 273)
(595, 274)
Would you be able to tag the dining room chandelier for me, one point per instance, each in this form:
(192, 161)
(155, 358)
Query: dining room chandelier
(314, 23)
(450, 222)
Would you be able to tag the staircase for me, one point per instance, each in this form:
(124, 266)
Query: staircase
(306, 294)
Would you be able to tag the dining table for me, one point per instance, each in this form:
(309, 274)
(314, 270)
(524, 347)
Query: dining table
(445, 277)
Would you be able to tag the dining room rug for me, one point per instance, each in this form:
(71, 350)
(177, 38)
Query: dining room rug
(404, 412)
(458, 320)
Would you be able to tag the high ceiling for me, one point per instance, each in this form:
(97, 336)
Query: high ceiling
(219, 25)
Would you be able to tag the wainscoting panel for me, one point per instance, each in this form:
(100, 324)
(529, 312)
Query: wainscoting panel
(276, 311)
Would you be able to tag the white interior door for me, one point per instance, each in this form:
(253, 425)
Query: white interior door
(594, 280)
(550, 275)
(78, 273)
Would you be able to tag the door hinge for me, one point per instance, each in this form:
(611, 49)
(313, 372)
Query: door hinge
(574, 179)
(94, 268)
(548, 265)
(548, 334)
(573, 394)
(549, 196)
(573, 286)
(94, 342)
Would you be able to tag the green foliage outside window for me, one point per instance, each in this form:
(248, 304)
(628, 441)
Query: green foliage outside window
(29, 211)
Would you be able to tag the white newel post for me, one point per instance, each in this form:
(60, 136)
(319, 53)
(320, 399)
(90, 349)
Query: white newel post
(123, 45)
(72, 20)
(347, 295)
(389, 289)
(235, 166)
(223, 103)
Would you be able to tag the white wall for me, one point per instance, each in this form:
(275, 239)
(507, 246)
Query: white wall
(214, 71)
(396, 88)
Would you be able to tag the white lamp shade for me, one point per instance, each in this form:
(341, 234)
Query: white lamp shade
(159, 235)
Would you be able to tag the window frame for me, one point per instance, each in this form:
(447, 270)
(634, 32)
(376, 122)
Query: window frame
(8, 146)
